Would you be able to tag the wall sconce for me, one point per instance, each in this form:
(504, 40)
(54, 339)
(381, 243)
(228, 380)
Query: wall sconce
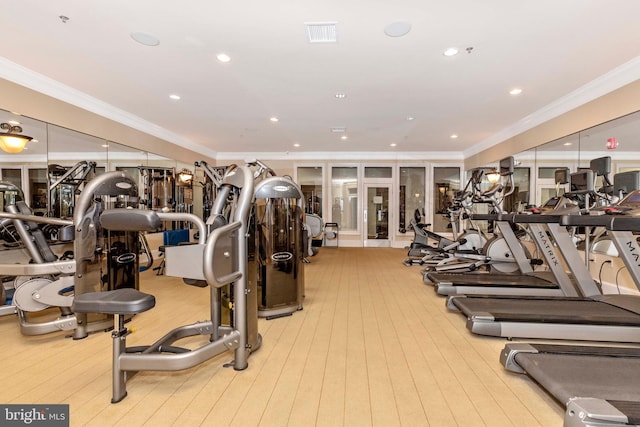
(493, 177)
(185, 177)
(10, 140)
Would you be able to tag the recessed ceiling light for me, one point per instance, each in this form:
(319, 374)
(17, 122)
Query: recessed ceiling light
(515, 91)
(454, 136)
(105, 145)
(450, 52)
(296, 145)
(341, 95)
(397, 29)
(344, 137)
(223, 57)
(274, 119)
(393, 144)
(568, 143)
(145, 39)
(174, 96)
(410, 118)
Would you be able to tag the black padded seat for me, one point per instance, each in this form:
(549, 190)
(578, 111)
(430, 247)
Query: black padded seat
(119, 301)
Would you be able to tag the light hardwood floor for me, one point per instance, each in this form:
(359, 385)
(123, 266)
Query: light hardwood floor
(373, 346)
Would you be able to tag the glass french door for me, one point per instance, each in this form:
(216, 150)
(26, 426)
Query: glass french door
(376, 215)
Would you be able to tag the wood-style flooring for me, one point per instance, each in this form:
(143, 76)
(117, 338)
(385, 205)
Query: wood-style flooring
(373, 345)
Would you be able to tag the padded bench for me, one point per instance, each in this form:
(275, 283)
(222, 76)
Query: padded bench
(120, 301)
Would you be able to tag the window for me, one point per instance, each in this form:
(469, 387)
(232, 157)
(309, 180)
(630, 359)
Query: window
(378, 172)
(411, 195)
(344, 191)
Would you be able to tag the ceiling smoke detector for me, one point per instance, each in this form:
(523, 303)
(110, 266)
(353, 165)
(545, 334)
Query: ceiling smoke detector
(321, 32)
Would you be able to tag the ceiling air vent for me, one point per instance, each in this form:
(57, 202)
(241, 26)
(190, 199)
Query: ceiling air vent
(321, 32)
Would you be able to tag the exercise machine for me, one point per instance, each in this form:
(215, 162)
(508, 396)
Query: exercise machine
(597, 384)
(502, 253)
(470, 241)
(593, 316)
(50, 281)
(221, 261)
(279, 246)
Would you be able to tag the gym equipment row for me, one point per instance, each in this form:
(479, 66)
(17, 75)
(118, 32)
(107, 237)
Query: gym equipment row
(597, 383)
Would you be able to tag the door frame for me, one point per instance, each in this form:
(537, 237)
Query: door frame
(377, 243)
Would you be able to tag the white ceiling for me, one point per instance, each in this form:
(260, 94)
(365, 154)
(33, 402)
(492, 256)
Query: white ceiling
(560, 53)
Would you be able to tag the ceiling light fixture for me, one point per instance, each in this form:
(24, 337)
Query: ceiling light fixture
(10, 141)
(450, 51)
(493, 176)
(174, 97)
(296, 145)
(341, 95)
(274, 119)
(145, 39)
(410, 118)
(185, 177)
(223, 57)
(566, 144)
(393, 144)
(344, 137)
(454, 136)
(515, 91)
(397, 29)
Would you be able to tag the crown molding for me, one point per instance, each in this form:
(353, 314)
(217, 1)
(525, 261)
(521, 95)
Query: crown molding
(614, 79)
(40, 83)
(347, 155)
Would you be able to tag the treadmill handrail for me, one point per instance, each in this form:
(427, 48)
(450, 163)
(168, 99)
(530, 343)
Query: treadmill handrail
(610, 222)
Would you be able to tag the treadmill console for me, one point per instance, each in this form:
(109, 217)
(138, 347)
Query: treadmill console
(558, 203)
(629, 205)
(631, 200)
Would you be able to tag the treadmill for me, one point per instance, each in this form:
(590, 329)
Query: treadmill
(598, 385)
(593, 317)
(555, 281)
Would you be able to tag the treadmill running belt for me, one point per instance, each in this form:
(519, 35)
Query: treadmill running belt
(630, 409)
(490, 279)
(550, 310)
(588, 350)
(566, 376)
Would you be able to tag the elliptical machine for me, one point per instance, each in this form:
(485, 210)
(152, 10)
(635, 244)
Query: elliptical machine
(471, 240)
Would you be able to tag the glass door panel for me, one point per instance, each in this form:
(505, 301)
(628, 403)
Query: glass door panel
(376, 215)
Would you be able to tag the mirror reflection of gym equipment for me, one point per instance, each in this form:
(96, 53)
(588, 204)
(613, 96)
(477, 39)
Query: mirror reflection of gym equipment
(443, 198)
(65, 184)
(159, 187)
